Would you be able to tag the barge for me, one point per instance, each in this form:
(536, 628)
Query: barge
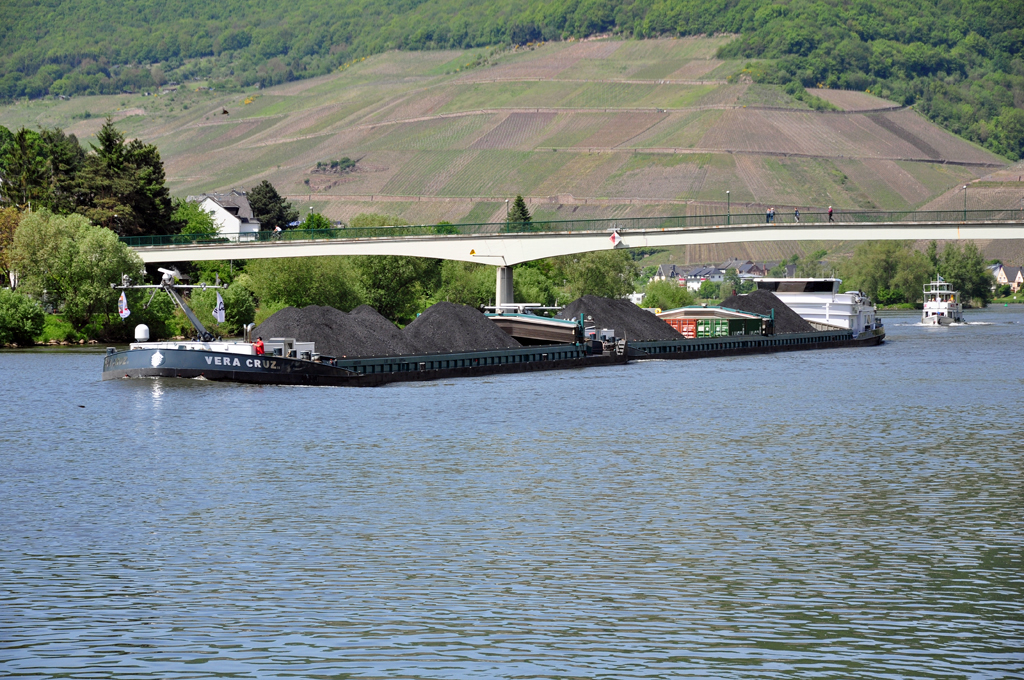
(297, 363)
(232, 362)
(736, 345)
(292, 363)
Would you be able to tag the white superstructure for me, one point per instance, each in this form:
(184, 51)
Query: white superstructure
(941, 304)
(822, 305)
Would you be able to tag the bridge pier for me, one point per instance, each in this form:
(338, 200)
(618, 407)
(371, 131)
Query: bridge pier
(503, 293)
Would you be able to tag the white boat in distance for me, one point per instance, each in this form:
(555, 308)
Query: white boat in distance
(941, 304)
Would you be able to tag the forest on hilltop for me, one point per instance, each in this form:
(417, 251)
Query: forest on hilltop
(960, 63)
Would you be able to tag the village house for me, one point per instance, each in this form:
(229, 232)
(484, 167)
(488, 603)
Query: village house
(699, 275)
(670, 272)
(1010, 275)
(231, 212)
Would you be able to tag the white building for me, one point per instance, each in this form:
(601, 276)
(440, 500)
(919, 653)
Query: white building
(699, 275)
(231, 212)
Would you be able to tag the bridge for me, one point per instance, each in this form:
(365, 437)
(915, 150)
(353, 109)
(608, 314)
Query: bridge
(506, 244)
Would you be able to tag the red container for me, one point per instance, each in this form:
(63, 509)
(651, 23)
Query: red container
(685, 327)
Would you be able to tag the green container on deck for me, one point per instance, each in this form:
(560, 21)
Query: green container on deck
(712, 328)
(744, 327)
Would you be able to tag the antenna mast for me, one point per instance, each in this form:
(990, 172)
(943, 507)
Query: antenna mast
(169, 285)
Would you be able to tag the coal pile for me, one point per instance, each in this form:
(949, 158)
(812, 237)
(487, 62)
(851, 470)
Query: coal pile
(762, 302)
(391, 338)
(363, 334)
(447, 327)
(626, 319)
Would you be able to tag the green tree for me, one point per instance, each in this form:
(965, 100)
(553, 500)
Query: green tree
(302, 281)
(519, 218)
(65, 159)
(444, 227)
(731, 283)
(666, 295)
(607, 273)
(270, 208)
(933, 255)
(21, 318)
(191, 218)
(530, 284)
(315, 221)
(239, 308)
(39, 169)
(9, 218)
(207, 271)
(811, 266)
(157, 312)
(889, 266)
(395, 285)
(25, 170)
(467, 283)
(965, 269)
(121, 186)
(73, 261)
(709, 290)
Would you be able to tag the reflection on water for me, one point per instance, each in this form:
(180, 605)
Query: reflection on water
(849, 513)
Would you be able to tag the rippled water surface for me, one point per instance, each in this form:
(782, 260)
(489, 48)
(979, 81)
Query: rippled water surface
(831, 514)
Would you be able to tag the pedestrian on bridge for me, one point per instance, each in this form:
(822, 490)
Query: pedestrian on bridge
(796, 214)
(830, 213)
(768, 216)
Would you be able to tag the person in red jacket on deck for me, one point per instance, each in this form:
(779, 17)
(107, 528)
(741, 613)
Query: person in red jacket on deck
(259, 346)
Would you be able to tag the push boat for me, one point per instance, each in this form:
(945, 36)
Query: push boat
(941, 304)
(819, 302)
(290, 362)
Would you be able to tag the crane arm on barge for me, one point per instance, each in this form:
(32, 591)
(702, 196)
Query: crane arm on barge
(168, 284)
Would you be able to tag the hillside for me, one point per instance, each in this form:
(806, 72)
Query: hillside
(959, 62)
(587, 129)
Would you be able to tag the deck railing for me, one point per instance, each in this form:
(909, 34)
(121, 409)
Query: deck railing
(621, 224)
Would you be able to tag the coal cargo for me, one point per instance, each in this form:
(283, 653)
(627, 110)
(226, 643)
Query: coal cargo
(448, 327)
(336, 333)
(393, 340)
(763, 302)
(626, 319)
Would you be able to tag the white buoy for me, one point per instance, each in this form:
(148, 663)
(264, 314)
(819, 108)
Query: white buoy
(142, 333)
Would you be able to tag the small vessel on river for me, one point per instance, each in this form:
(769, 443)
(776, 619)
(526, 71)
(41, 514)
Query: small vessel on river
(941, 304)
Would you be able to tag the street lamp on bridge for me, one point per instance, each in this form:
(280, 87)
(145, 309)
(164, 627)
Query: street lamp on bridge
(728, 208)
(965, 203)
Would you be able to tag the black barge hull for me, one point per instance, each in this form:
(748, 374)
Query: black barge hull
(370, 372)
(740, 345)
(373, 372)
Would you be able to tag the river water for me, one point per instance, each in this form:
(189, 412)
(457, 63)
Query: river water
(831, 514)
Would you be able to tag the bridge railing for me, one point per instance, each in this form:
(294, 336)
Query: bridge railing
(622, 224)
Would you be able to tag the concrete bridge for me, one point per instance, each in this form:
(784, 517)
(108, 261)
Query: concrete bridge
(503, 249)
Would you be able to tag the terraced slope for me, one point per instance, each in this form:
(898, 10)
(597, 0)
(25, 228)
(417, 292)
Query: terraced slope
(597, 128)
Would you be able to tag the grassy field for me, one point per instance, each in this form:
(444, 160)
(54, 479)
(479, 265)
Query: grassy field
(582, 129)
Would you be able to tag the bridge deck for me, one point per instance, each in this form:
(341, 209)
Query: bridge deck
(508, 244)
